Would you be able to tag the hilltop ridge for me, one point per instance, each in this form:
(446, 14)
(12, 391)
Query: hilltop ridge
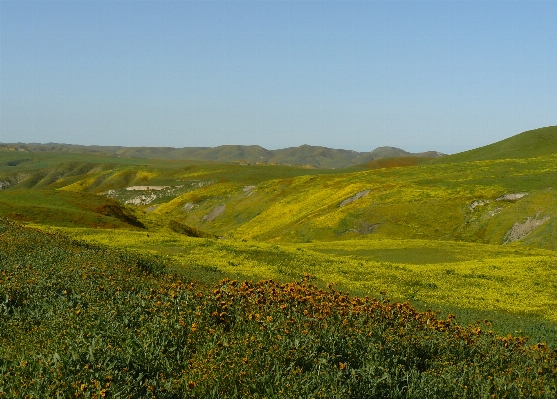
(304, 155)
(528, 144)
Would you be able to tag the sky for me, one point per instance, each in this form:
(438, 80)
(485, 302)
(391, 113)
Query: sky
(419, 75)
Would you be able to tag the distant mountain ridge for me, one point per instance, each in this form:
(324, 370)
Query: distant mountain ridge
(304, 155)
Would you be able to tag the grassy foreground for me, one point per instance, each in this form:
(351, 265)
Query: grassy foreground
(83, 320)
(512, 285)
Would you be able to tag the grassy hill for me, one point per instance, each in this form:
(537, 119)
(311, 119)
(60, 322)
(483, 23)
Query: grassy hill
(62, 208)
(530, 144)
(495, 201)
(469, 280)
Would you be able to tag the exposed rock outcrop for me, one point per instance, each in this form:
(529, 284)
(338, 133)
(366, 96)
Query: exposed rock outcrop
(511, 197)
(248, 190)
(521, 230)
(478, 203)
(354, 198)
(188, 206)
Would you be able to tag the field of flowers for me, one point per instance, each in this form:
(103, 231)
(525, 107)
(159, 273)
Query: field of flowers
(479, 279)
(457, 198)
(83, 320)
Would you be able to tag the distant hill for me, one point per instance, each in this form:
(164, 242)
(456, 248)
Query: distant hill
(508, 197)
(529, 144)
(304, 155)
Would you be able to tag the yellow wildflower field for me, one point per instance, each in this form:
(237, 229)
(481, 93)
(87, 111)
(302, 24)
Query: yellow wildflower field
(510, 278)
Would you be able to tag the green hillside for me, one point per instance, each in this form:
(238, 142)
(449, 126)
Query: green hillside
(530, 144)
(62, 208)
(496, 200)
(469, 280)
(509, 202)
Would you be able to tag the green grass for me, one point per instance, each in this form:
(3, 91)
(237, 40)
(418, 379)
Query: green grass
(469, 280)
(83, 320)
(59, 208)
(82, 166)
(430, 200)
(530, 144)
(420, 252)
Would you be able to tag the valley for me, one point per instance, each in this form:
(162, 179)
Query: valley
(448, 202)
(472, 234)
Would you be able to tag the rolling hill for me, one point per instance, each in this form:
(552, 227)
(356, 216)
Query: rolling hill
(86, 320)
(476, 196)
(529, 144)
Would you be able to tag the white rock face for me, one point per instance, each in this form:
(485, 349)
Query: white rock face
(142, 200)
(495, 211)
(145, 188)
(248, 190)
(478, 203)
(511, 197)
(188, 206)
(521, 230)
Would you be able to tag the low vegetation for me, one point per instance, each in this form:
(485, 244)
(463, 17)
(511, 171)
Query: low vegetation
(512, 286)
(84, 320)
(456, 198)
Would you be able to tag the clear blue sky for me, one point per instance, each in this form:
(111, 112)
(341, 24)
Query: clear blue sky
(419, 75)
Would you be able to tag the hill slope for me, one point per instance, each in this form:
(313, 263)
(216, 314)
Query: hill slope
(529, 144)
(492, 201)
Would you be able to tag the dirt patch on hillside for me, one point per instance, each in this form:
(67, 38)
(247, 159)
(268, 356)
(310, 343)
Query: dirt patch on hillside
(215, 213)
(521, 230)
(354, 198)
